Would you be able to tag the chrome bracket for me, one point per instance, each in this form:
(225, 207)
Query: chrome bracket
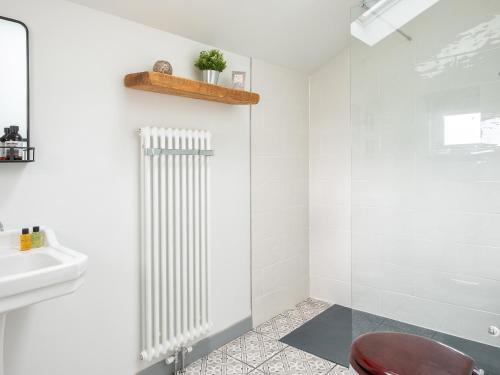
(148, 151)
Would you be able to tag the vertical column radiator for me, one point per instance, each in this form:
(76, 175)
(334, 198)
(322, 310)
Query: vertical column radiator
(175, 254)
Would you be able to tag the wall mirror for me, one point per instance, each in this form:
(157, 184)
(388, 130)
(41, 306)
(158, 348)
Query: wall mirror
(14, 91)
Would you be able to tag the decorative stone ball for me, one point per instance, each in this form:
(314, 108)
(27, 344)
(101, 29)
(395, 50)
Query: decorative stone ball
(162, 66)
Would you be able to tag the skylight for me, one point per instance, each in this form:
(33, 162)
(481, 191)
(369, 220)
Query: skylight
(386, 17)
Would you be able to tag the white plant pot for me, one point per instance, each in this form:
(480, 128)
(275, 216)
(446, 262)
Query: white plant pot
(211, 76)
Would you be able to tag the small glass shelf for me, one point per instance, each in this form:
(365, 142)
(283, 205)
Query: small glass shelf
(27, 154)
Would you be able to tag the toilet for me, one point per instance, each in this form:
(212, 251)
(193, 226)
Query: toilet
(384, 353)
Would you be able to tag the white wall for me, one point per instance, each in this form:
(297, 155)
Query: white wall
(280, 272)
(84, 184)
(425, 218)
(329, 182)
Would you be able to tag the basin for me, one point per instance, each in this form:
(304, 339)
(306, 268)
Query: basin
(28, 277)
(16, 264)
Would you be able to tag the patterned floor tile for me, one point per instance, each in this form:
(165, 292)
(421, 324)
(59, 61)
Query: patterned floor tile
(279, 326)
(253, 348)
(339, 370)
(292, 361)
(308, 309)
(218, 363)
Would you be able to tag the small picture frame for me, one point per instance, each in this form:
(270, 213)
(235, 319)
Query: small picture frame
(239, 80)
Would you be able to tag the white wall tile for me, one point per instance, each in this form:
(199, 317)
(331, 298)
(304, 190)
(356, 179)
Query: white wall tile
(280, 244)
(331, 290)
(366, 298)
(330, 182)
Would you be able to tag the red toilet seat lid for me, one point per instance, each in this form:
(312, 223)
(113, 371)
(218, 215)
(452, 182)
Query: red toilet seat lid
(388, 353)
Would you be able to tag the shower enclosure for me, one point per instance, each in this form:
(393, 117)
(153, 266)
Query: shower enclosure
(425, 178)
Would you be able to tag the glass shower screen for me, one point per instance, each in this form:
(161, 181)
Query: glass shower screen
(425, 123)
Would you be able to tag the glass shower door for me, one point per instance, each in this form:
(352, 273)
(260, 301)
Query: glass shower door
(425, 122)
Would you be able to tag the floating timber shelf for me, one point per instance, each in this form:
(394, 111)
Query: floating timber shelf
(172, 85)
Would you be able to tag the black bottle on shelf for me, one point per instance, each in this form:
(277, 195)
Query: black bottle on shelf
(3, 139)
(15, 141)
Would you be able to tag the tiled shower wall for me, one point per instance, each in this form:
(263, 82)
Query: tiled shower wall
(426, 207)
(280, 267)
(330, 165)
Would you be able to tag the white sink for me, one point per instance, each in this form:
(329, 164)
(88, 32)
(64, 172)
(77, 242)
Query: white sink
(28, 277)
(21, 263)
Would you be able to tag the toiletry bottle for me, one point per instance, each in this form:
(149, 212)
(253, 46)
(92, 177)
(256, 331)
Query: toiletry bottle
(36, 238)
(25, 153)
(3, 140)
(25, 240)
(14, 140)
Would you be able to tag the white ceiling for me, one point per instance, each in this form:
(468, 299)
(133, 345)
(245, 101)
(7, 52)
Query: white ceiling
(299, 34)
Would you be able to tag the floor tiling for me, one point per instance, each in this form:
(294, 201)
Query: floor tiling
(362, 323)
(339, 370)
(253, 348)
(486, 357)
(286, 322)
(308, 309)
(328, 335)
(293, 361)
(279, 326)
(320, 337)
(219, 363)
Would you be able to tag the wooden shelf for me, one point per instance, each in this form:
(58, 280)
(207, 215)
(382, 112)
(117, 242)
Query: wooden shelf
(172, 85)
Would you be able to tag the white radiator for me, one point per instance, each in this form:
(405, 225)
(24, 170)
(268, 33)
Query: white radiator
(175, 256)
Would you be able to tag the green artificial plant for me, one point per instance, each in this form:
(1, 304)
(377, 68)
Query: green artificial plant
(211, 60)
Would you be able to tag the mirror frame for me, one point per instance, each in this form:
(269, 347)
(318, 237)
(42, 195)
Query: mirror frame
(27, 79)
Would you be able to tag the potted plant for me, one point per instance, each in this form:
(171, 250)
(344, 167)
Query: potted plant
(211, 63)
